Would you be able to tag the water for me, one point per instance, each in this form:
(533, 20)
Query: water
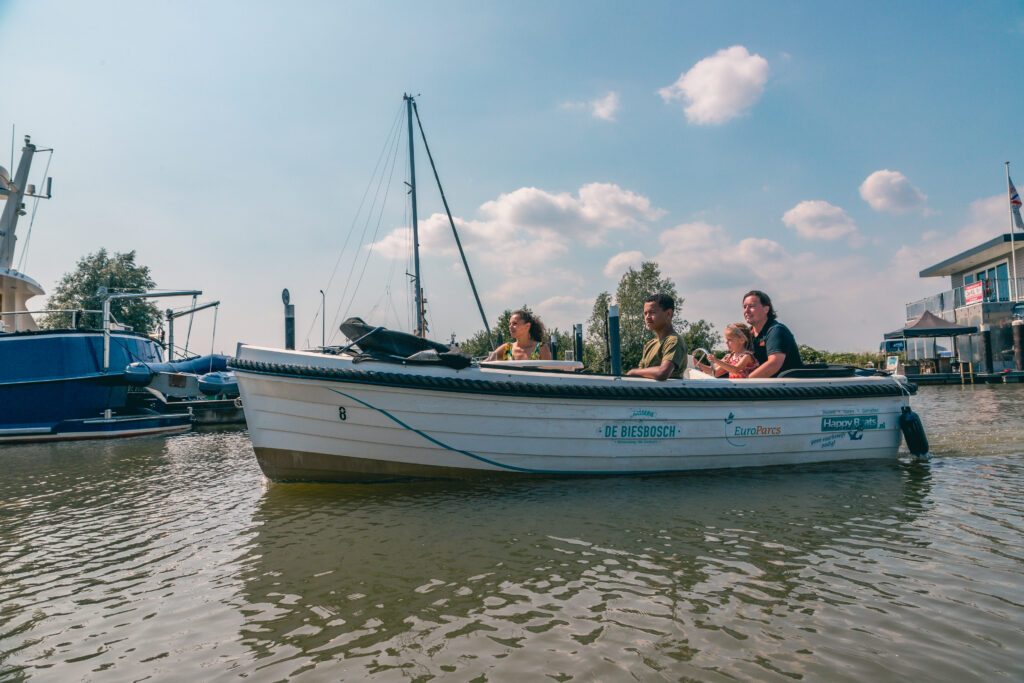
(171, 558)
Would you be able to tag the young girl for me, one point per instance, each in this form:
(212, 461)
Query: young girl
(739, 362)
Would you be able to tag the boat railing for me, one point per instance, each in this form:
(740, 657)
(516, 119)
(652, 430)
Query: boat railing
(47, 311)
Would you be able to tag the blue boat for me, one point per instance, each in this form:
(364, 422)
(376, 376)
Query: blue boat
(63, 384)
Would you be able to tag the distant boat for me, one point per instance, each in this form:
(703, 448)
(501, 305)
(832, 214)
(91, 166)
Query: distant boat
(393, 405)
(64, 383)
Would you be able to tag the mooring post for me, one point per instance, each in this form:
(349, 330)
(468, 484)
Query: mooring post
(1018, 345)
(289, 321)
(613, 339)
(577, 341)
(986, 349)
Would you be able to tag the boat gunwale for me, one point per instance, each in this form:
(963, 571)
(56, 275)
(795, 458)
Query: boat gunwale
(788, 391)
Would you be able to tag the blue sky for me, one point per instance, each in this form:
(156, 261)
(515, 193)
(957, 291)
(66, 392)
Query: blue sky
(824, 152)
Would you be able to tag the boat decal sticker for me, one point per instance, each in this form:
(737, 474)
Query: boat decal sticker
(829, 440)
(740, 432)
(850, 423)
(633, 432)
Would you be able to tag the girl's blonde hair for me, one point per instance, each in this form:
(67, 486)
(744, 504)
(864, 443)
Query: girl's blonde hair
(740, 329)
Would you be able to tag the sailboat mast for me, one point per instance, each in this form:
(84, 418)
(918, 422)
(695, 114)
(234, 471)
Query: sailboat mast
(421, 330)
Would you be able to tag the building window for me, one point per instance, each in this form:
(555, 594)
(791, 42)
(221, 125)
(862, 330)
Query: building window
(1002, 282)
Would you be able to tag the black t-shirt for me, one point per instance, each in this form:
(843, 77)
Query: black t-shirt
(776, 338)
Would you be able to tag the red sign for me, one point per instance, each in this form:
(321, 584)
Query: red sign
(974, 293)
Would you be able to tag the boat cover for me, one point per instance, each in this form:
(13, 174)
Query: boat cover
(390, 345)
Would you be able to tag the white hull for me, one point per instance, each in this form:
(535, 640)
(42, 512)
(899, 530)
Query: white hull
(345, 428)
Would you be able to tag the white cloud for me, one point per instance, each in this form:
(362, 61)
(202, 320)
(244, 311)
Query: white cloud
(720, 87)
(986, 219)
(556, 310)
(890, 191)
(621, 262)
(604, 107)
(698, 254)
(597, 209)
(819, 220)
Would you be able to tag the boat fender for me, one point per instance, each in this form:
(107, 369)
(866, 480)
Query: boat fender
(913, 433)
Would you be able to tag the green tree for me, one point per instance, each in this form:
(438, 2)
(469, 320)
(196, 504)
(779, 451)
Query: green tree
(635, 286)
(701, 335)
(860, 359)
(595, 349)
(81, 289)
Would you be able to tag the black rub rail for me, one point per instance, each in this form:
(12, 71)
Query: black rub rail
(835, 389)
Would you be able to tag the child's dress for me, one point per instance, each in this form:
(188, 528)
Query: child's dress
(735, 358)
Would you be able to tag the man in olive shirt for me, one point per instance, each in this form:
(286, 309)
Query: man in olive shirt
(665, 355)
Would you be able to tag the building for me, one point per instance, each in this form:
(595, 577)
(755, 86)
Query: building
(983, 292)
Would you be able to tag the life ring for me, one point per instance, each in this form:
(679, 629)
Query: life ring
(913, 433)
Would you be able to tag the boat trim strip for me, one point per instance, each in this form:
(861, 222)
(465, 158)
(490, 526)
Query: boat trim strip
(792, 390)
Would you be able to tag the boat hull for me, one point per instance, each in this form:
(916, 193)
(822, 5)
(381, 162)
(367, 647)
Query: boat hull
(318, 418)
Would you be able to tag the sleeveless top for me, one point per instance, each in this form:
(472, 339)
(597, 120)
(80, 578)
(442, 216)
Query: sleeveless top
(508, 352)
(734, 359)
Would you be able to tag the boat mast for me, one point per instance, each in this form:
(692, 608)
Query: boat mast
(421, 327)
(14, 194)
(451, 222)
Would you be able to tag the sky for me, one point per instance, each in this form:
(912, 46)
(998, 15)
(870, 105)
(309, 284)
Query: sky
(823, 152)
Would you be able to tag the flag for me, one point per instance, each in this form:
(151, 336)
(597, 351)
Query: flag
(1015, 204)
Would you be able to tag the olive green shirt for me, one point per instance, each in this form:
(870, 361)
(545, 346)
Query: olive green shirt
(669, 347)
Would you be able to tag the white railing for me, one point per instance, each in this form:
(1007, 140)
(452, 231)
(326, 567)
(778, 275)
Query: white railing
(994, 291)
(73, 311)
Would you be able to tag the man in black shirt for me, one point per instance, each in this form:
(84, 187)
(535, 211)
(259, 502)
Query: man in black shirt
(774, 346)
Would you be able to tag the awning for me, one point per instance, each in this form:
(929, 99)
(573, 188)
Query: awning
(930, 325)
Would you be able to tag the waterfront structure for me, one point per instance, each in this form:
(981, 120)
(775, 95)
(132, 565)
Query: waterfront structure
(983, 293)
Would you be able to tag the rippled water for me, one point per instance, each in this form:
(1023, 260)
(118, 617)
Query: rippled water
(172, 558)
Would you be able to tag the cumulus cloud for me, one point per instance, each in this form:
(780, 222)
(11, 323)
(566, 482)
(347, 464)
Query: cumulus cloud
(890, 191)
(521, 233)
(604, 107)
(699, 253)
(986, 218)
(621, 262)
(719, 88)
(819, 220)
(564, 308)
(597, 209)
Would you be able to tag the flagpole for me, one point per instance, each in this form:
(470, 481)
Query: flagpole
(1013, 248)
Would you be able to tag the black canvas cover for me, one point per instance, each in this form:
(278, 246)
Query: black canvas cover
(389, 341)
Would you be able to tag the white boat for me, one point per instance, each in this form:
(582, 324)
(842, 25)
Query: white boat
(384, 412)
(342, 418)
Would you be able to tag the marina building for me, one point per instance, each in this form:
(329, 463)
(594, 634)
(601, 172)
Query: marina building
(983, 292)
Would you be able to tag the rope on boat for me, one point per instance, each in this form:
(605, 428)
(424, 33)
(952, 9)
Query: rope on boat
(592, 391)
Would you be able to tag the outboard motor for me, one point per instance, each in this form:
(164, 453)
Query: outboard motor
(913, 434)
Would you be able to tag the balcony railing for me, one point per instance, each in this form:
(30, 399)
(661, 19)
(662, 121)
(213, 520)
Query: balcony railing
(944, 303)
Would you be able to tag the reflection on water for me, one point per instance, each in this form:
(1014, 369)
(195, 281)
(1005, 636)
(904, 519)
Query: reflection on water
(173, 558)
(601, 577)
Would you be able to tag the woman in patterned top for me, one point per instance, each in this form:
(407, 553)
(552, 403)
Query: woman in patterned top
(527, 332)
(739, 362)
